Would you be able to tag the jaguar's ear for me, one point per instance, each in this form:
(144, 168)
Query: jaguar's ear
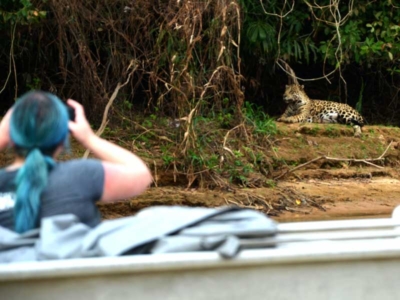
(286, 86)
(302, 86)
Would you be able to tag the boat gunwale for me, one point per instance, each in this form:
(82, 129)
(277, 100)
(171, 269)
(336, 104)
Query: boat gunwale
(319, 252)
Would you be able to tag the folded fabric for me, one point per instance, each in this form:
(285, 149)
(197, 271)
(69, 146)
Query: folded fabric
(162, 229)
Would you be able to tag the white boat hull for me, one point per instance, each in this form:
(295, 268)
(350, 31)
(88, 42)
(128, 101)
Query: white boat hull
(364, 269)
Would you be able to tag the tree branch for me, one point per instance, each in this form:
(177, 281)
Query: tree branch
(104, 121)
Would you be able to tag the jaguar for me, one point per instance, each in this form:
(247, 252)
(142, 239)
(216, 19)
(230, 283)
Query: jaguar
(302, 109)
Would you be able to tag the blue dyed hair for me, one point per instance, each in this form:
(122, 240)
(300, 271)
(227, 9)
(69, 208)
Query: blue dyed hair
(38, 125)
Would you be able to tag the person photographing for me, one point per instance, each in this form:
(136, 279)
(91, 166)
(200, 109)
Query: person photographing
(35, 185)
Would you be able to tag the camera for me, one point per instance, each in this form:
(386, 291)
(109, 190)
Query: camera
(71, 112)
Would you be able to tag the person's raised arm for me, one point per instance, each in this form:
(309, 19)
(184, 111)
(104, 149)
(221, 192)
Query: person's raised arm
(125, 174)
(5, 130)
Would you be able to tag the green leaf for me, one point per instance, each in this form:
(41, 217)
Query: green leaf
(254, 35)
(7, 16)
(265, 46)
(262, 34)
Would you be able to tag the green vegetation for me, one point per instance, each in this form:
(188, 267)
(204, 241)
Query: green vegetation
(220, 157)
(201, 76)
(19, 12)
(201, 62)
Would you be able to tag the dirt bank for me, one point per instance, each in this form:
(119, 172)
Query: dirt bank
(359, 178)
(334, 199)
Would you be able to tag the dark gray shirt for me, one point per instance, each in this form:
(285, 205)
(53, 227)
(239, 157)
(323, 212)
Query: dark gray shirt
(73, 187)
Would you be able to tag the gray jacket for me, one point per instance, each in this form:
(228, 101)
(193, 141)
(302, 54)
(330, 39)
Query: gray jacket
(153, 230)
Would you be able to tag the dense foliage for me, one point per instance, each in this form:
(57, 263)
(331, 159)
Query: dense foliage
(206, 51)
(338, 32)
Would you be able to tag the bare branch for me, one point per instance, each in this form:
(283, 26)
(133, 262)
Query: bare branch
(104, 122)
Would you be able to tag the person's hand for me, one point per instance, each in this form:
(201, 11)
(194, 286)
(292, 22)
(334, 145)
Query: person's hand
(80, 127)
(5, 130)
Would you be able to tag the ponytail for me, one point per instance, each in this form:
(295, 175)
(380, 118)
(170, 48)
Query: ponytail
(31, 180)
(38, 126)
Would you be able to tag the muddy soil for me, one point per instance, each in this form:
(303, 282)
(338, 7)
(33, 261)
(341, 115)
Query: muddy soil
(361, 180)
(334, 199)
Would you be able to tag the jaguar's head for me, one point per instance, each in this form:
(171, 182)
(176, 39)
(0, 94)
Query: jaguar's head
(294, 93)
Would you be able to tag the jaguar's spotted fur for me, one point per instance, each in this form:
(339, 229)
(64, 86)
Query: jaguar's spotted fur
(303, 109)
